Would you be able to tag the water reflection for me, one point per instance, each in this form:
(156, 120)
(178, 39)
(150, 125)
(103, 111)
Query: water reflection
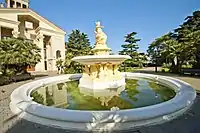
(136, 93)
(87, 99)
(161, 91)
(52, 95)
(104, 96)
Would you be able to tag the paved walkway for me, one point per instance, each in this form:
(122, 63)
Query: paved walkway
(193, 80)
(9, 123)
(7, 119)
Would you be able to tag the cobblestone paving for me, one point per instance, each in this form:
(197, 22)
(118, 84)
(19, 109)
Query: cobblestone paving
(9, 123)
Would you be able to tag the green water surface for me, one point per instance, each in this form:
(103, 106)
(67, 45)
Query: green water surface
(137, 93)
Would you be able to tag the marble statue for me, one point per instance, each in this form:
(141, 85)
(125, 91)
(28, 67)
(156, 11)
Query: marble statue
(100, 36)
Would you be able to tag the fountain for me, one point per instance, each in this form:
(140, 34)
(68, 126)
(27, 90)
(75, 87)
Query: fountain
(102, 98)
(101, 69)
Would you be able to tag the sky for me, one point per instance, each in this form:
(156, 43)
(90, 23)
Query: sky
(149, 18)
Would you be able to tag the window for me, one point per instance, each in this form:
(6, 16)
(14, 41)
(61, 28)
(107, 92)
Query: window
(58, 54)
(18, 5)
(12, 3)
(24, 6)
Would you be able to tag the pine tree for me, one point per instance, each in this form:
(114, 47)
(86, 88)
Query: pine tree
(78, 44)
(130, 48)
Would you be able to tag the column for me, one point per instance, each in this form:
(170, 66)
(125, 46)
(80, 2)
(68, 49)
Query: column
(8, 3)
(39, 42)
(59, 95)
(15, 32)
(15, 4)
(48, 48)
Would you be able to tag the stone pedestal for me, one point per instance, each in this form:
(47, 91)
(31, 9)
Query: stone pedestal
(101, 76)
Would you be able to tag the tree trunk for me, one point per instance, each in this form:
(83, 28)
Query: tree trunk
(198, 61)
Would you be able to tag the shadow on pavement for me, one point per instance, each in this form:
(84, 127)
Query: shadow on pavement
(40, 75)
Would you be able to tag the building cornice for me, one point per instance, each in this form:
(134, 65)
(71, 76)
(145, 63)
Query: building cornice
(33, 13)
(48, 30)
(9, 21)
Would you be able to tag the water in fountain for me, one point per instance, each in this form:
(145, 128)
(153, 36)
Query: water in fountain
(136, 93)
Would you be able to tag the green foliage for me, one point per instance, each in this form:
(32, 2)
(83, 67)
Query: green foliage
(37, 97)
(131, 86)
(165, 67)
(78, 44)
(187, 66)
(182, 44)
(128, 69)
(131, 48)
(17, 54)
(164, 92)
(49, 98)
(59, 64)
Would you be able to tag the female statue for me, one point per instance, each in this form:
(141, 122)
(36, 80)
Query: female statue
(100, 36)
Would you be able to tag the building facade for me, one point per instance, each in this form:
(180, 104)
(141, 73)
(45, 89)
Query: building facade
(19, 21)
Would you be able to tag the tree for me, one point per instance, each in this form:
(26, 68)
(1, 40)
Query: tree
(183, 44)
(130, 48)
(78, 44)
(142, 59)
(59, 65)
(164, 49)
(188, 35)
(17, 54)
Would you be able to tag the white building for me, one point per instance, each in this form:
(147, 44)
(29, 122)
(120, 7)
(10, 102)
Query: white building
(18, 20)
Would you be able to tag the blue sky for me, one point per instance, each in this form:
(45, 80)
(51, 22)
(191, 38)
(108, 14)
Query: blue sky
(150, 18)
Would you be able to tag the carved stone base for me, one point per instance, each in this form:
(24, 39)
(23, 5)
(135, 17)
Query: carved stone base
(101, 50)
(101, 76)
(98, 84)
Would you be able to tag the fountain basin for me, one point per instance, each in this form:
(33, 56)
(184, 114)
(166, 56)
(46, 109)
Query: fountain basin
(22, 104)
(101, 71)
(96, 59)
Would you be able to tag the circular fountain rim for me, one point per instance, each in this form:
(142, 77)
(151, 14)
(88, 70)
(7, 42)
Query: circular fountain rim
(93, 59)
(32, 111)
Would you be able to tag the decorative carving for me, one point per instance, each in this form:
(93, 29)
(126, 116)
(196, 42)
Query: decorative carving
(93, 72)
(116, 72)
(98, 70)
(106, 70)
(110, 71)
(39, 37)
(15, 33)
(101, 73)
